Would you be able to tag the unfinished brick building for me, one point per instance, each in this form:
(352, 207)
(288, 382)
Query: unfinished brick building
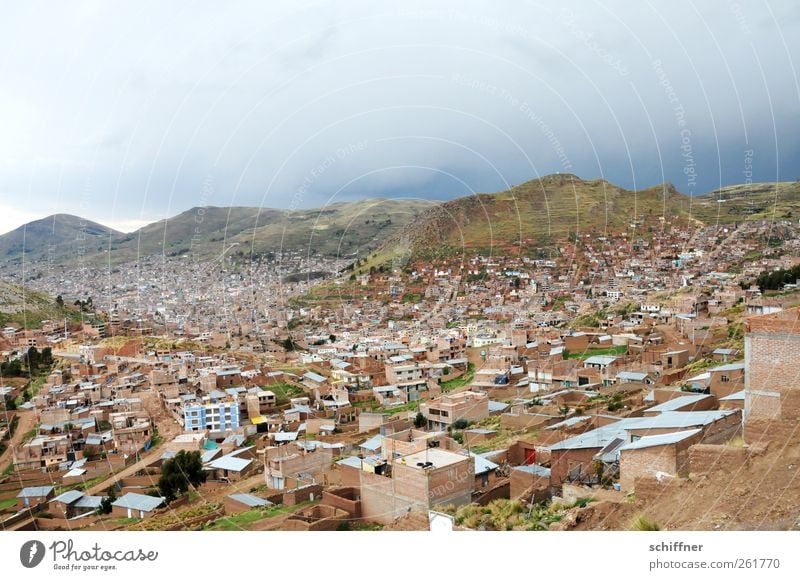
(772, 381)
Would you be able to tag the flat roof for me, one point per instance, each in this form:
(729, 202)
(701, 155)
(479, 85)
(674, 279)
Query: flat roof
(438, 457)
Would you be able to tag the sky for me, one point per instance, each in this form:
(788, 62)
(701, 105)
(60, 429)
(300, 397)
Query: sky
(130, 112)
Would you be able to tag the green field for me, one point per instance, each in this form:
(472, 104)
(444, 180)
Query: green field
(284, 392)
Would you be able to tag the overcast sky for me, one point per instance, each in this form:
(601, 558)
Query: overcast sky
(126, 113)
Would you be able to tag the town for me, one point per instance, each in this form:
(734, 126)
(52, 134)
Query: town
(602, 382)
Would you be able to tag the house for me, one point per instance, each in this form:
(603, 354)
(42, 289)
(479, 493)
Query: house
(75, 503)
(687, 402)
(33, 496)
(233, 466)
(656, 454)
(446, 410)
(674, 359)
(724, 354)
(726, 379)
(530, 481)
(136, 505)
(216, 416)
(290, 466)
(416, 482)
(572, 459)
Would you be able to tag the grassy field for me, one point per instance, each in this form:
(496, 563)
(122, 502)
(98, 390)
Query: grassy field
(7, 503)
(284, 391)
(242, 520)
(461, 381)
(29, 308)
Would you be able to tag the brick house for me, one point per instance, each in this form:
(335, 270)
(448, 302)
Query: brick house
(654, 454)
(443, 411)
(136, 505)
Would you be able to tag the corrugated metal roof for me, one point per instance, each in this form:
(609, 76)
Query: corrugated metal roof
(373, 443)
(89, 501)
(37, 491)
(599, 438)
(739, 396)
(350, 462)
(138, 501)
(677, 403)
(534, 469)
(656, 440)
(68, 497)
(229, 463)
(250, 500)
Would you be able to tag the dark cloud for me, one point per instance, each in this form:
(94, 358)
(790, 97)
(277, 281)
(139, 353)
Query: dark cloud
(134, 112)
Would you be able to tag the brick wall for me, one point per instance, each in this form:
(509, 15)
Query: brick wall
(772, 358)
(344, 498)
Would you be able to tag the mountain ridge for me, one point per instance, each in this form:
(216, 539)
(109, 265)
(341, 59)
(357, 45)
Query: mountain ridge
(535, 212)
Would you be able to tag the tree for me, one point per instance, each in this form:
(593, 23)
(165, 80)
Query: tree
(460, 424)
(59, 301)
(332, 338)
(420, 421)
(181, 472)
(105, 503)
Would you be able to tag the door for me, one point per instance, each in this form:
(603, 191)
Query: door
(530, 456)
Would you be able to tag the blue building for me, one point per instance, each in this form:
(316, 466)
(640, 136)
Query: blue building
(219, 416)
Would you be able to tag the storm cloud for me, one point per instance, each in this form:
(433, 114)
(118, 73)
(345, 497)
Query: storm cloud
(130, 112)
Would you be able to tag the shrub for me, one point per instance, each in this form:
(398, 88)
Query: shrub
(642, 523)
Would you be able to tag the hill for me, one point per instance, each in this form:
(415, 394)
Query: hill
(754, 201)
(531, 216)
(335, 230)
(55, 238)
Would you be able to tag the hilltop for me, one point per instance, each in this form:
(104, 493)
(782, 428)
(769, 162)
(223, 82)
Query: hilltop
(55, 238)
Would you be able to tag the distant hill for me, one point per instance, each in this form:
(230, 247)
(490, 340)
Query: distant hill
(747, 202)
(57, 237)
(340, 229)
(524, 219)
(537, 213)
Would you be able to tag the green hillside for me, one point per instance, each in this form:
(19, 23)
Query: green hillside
(29, 308)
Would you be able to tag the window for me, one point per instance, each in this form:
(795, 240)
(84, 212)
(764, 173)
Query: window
(725, 379)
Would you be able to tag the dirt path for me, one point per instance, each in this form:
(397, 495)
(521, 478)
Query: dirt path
(27, 421)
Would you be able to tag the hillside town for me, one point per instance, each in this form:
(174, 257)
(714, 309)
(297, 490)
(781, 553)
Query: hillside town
(600, 371)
